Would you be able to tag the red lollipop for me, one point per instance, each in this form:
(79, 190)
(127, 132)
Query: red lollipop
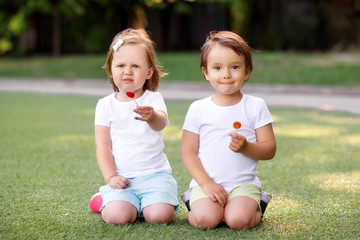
(131, 94)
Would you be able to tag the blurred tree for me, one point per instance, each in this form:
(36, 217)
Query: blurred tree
(304, 24)
(16, 20)
(57, 9)
(239, 10)
(15, 16)
(343, 18)
(12, 23)
(83, 26)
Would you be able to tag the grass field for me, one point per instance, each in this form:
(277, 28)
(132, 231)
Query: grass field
(49, 172)
(333, 69)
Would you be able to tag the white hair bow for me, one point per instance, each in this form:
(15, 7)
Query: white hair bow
(118, 44)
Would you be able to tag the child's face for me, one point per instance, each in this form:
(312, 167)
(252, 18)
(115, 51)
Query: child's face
(130, 68)
(225, 70)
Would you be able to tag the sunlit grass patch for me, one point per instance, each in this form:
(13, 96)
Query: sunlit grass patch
(353, 140)
(72, 138)
(348, 182)
(172, 133)
(307, 131)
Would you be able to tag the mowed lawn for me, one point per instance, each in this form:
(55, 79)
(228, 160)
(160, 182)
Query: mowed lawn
(332, 69)
(49, 172)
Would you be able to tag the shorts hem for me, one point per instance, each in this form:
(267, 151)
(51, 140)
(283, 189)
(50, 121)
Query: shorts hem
(248, 190)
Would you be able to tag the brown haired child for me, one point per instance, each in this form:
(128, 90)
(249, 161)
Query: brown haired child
(221, 160)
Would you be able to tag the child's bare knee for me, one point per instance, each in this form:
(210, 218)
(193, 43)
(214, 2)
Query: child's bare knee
(117, 219)
(238, 223)
(159, 217)
(159, 213)
(204, 220)
(242, 221)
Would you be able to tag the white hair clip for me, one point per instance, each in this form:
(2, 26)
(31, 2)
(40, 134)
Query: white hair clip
(118, 44)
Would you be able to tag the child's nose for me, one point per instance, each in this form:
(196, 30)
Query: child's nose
(226, 74)
(128, 70)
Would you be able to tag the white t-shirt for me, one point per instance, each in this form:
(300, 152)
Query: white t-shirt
(137, 148)
(213, 124)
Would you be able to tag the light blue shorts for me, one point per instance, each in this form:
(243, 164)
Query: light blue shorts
(144, 191)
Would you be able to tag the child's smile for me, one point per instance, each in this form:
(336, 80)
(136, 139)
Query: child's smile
(226, 71)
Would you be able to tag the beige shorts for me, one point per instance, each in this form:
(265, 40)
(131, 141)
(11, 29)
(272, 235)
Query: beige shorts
(251, 191)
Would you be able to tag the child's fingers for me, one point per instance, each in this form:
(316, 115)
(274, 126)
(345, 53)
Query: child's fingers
(234, 145)
(120, 182)
(125, 180)
(146, 113)
(221, 199)
(216, 193)
(233, 134)
(237, 143)
(144, 118)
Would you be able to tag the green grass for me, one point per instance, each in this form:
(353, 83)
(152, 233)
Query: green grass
(306, 68)
(49, 172)
(334, 69)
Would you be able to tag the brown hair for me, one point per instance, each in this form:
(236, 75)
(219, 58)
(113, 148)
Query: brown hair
(230, 40)
(136, 36)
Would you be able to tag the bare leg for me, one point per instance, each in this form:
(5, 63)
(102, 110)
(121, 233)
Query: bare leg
(159, 213)
(119, 213)
(242, 213)
(205, 214)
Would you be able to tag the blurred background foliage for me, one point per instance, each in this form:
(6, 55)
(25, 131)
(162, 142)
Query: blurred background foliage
(57, 27)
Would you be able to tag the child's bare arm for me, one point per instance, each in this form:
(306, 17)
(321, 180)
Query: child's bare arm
(189, 151)
(156, 119)
(106, 159)
(264, 149)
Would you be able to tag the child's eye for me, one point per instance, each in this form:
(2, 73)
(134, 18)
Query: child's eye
(235, 67)
(136, 66)
(217, 68)
(121, 65)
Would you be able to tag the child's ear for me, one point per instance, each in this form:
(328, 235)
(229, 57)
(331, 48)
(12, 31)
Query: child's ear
(247, 75)
(150, 73)
(203, 69)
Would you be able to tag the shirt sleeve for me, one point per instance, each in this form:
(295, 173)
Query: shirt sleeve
(158, 102)
(264, 116)
(191, 123)
(102, 116)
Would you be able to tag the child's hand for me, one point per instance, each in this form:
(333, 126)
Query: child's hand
(238, 142)
(216, 193)
(118, 182)
(146, 113)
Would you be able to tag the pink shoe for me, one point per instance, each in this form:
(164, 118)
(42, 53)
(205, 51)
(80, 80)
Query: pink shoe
(96, 202)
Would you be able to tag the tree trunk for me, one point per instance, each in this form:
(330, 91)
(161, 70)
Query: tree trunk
(279, 11)
(56, 32)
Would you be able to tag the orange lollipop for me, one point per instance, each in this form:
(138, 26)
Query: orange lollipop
(237, 125)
